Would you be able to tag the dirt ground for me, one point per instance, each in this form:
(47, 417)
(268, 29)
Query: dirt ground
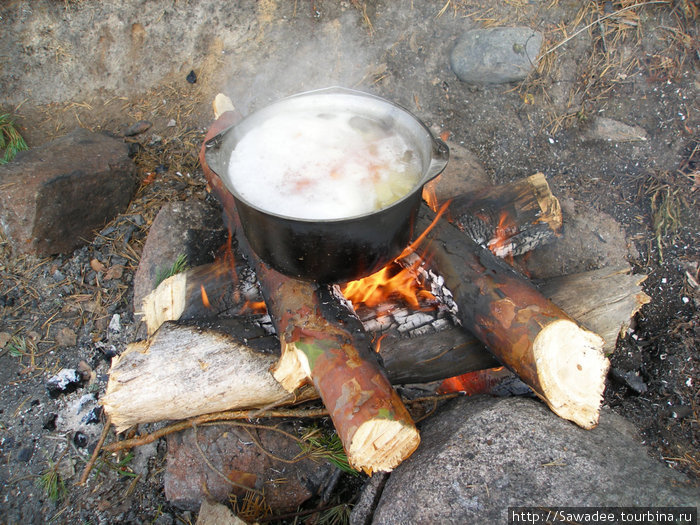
(107, 65)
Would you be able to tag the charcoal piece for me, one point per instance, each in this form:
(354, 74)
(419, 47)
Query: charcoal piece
(80, 440)
(192, 77)
(50, 422)
(66, 381)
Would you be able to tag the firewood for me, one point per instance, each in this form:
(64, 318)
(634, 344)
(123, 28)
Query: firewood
(147, 377)
(509, 219)
(561, 361)
(201, 292)
(328, 347)
(183, 371)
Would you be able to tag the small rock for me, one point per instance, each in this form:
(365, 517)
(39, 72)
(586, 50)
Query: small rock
(172, 123)
(4, 339)
(495, 55)
(212, 513)
(611, 130)
(137, 128)
(66, 337)
(115, 324)
(192, 77)
(25, 454)
(66, 381)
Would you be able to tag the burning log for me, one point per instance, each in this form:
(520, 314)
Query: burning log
(201, 292)
(324, 343)
(510, 219)
(562, 362)
(187, 362)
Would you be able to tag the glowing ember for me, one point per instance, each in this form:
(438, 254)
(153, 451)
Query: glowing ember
(473, 383)
(499, 245)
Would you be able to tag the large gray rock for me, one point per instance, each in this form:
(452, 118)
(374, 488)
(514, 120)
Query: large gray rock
(481, 455)
(495, 55)
(55, 196)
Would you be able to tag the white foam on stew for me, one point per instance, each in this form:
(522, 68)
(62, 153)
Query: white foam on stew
(323, 165)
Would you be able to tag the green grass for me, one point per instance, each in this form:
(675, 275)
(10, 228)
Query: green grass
(11, 142)
(179, 266)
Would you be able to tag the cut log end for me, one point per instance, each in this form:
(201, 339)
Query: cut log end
(293, 369)
(573, 381)
(165, 303)
(380, 445)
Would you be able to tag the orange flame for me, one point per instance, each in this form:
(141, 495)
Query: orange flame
(205, 298)
(504, 230)
(254, 307)
(430, 195)
(391, 281)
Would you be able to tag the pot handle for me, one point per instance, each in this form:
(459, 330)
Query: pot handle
(439, 156)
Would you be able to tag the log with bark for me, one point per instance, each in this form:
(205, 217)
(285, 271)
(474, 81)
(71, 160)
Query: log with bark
(324, 343)
(186, 370)
(510, 219)
(561, 361)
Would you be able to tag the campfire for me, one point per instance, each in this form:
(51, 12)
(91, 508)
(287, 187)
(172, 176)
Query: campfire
(447, 306)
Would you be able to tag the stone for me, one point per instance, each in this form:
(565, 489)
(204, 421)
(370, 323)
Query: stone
(192, 228)
(480, 455)
(610, 130)
(464, 173)
(495, 55)
(189, 480)
(55, 196)
(590, 239)
(213, 513)
(137, 128)
(363, 509)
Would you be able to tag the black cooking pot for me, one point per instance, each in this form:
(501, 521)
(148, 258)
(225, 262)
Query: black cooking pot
(336, 250)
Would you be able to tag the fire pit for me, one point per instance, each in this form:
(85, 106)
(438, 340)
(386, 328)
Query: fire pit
(324, 343)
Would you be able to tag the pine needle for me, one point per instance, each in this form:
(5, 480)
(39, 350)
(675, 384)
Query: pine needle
(180, 265)
(11, 142)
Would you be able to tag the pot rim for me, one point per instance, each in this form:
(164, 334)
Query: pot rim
(438, 157)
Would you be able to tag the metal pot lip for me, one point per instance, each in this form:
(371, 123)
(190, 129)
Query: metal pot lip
(439, 149)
